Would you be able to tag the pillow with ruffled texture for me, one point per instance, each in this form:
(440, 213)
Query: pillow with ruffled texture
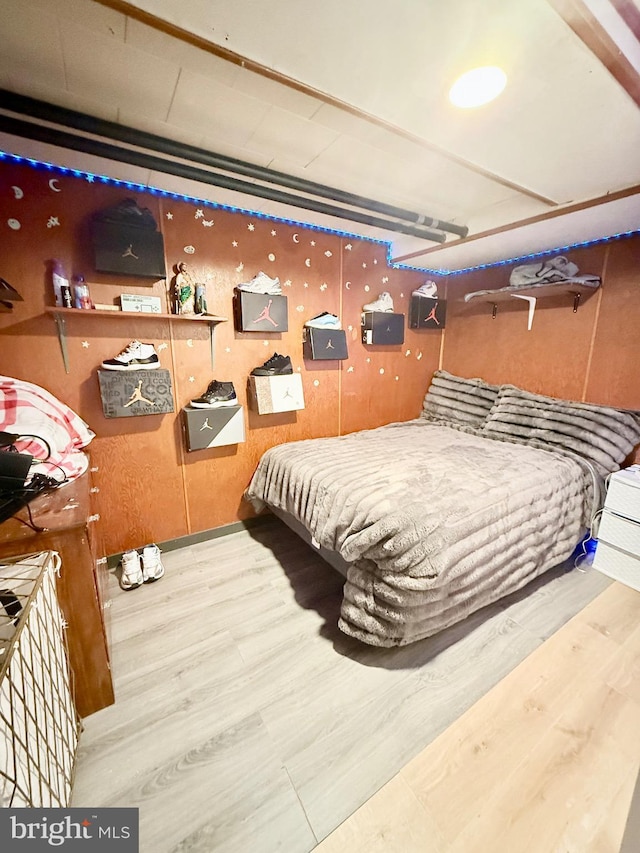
(455, 401)
(601, 434)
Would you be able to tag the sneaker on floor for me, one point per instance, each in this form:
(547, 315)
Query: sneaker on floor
(324, 321)
(152, 568)
(262, 284)
(277, 365)
(131, 576)
(135, 356)
(429, 288)
(217, 394)
(384, 302)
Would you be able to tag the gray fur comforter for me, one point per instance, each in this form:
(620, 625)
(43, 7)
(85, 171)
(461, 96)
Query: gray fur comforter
(435, 521)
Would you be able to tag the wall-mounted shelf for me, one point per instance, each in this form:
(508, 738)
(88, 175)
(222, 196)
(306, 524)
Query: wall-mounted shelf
(60, 314)
(576, 292)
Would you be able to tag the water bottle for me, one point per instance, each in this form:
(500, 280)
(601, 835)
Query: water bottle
(81, 298)
(59, 281)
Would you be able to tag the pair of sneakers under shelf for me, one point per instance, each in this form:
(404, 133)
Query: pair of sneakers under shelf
(141, 568)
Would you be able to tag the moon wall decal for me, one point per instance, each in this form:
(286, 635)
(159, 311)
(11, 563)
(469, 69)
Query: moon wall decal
(347, 285)
(295, 238)
(307, 262)
(17, 192)
(56, 189)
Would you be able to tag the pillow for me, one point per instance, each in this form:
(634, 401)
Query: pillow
(603, 435)
(456, 401)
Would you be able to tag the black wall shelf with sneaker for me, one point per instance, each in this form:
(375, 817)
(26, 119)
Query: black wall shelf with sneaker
(382, 328)
(260, 312)
(60, 314)
(212, 427)
(324, 344)
(427, 312)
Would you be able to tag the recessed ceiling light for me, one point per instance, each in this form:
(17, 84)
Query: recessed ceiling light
(478, 86)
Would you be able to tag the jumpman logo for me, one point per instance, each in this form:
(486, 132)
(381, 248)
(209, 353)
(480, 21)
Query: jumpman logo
(129, 253)
(432, 316)
(329, 345)
(137, 397)
(288, 394)
(205, 425)
(265, 314)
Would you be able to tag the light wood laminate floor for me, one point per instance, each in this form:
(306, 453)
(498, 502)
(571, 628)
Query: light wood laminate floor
(246, 722)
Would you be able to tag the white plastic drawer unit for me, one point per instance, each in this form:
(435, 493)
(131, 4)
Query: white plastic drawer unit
(618, 551)
(623, 494)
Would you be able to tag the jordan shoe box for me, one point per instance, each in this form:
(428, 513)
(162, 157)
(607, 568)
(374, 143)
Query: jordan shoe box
(260, 312)
(129, 393)
(324, 344)
(214, 427)
(269, 395)
(380, 327)
(427, 313)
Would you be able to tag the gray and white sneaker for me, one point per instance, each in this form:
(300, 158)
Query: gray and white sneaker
(131, 576)
(384, 302)
(135, 356)
(152, 568)
(262, 284)
(429, 288)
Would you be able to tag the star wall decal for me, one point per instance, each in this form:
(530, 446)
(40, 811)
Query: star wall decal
(240, 267)
(227, 349)
(349, 369)
(162, 346)
(192, 379)
(90, 178)
(385, 279)
(287, 283)
(364, 266)
(53, 222)
(85, 344)
(199, 213)
(306, 284)
(323, 286)
(234, 243)
(251, 226)
(169, 215)
(273, 232)
(312, 242)
(348, 247)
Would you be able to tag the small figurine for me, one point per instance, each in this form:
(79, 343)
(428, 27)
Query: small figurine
(184, 291)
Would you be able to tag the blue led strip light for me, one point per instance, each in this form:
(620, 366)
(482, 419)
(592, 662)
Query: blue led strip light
(132, 185)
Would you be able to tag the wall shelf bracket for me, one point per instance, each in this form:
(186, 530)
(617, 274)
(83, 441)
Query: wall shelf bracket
(62, 338)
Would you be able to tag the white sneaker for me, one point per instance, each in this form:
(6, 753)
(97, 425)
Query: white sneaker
(152, 568)
(324, 321)
(429, 288)
(384, 302)
(262, 284)
(135, 356)
(131, 576)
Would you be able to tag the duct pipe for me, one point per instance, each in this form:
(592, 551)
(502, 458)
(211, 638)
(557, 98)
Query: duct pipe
(53, 136)
(111, 130)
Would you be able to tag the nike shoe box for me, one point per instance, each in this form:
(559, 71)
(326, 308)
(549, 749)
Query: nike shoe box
(130, 393)
(380, 327)
(128, 250)
(214, 427)
(324, 344)
(260, 312)
(427, 313)
(269, 395)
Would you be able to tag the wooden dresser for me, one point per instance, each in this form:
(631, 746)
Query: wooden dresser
(82, 587)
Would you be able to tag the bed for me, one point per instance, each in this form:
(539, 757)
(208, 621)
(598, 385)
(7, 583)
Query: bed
(436, 517)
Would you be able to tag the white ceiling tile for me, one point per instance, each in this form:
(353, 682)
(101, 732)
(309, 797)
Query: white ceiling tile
(93, 15)
(153, 41)
(63, 98)
(159, 128)
(284, 134)
(275, 93)
(214, 108)
(101, 67)
(30, 44)
(218, 145)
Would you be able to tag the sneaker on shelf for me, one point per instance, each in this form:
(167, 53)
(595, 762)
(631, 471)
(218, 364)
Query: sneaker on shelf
(152, 568)
(262, 284)
(324, 321)
(131, 577)
(384, 302)
(429, 288)
(217, 394)
(277, 365)
(135, 356)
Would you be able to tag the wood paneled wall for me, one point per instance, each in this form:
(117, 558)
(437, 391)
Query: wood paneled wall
(151, 488)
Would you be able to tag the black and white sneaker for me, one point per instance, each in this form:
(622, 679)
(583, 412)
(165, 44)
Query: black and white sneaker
(217, 394)
(135, 356)
(277, 365)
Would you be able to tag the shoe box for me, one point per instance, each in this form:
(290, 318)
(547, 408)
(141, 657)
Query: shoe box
(381, 327)
(269, 395)
(260, 312)
(213, 427)
(129, 393)
(425, 312)
(324, 344)
(128, 250)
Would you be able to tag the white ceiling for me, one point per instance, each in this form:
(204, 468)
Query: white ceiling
(359, 103)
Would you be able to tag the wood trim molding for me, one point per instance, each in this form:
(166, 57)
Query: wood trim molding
(587, 27)
(523, 223)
